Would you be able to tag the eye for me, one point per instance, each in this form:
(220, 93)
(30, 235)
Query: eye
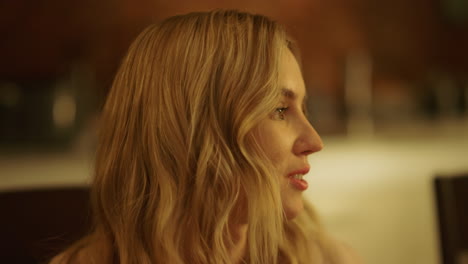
(280, 112)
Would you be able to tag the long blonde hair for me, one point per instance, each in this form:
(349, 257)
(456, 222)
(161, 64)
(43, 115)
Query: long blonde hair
(177, 153)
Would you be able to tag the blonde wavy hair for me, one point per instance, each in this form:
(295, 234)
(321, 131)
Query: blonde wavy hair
(177, 151)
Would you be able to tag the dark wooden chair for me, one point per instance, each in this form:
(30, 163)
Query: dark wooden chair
(35, 225)
(451, 194)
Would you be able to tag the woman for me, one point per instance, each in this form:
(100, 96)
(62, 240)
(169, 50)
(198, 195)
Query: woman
(202, 150)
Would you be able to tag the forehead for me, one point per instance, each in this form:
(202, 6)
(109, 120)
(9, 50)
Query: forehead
(290, 77)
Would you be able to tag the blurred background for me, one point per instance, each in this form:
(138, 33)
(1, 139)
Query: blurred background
(388, 86)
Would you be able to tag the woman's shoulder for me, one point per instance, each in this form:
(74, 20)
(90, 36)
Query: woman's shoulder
(347, 254)
(59, 259)
(77, 254)
(76, 258)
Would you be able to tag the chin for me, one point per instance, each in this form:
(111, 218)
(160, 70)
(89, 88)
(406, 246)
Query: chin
(293, 207)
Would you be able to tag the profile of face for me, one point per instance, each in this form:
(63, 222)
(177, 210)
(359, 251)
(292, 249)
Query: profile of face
(288, 138)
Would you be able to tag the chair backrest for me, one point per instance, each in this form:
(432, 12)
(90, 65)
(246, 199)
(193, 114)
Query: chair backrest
(37, 224)
(452, 209)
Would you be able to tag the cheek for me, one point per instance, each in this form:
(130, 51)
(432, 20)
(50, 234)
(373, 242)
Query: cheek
(280, 161)
(277, 153)
(273, 149)
(275, 141)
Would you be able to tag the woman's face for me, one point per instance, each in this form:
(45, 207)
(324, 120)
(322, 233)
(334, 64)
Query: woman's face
(288, 138)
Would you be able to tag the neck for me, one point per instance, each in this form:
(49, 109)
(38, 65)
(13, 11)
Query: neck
(238, 251)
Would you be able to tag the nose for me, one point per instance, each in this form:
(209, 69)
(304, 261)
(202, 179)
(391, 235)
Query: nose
(308, 140)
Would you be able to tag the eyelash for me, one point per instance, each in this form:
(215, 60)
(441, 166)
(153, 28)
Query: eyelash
(279, 112)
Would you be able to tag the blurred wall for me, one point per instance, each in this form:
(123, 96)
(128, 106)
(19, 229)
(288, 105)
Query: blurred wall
(411, 45)
(406, 61)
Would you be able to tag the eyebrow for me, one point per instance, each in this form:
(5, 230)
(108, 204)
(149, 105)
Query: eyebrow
(290, 94)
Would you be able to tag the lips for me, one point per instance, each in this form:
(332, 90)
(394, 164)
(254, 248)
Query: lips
(296, 179)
